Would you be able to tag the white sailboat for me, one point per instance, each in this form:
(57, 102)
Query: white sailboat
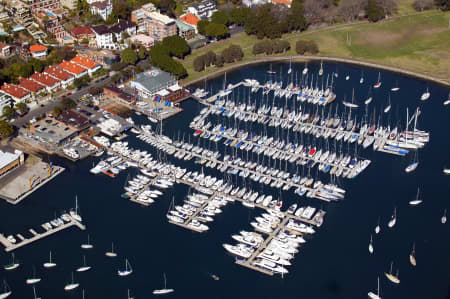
(71, 286)
(447, 101)
(75, 214)
(50, 263)
(305, 70)
(388, 107)
(165, 290)
(13, 265)
(416, 201)
(33, 279)
(6, 292)
(377, 228)
(393, 219)
(321, 68)
(111, 253)
(425, 96)
(290, 66)
(377, 295)
(412, 166)
(361, 80)
(351, 104)
(412, 257)
(128, 270)
(87, 245)
(347, 78)
(444, 217)
(85, 267)
(395, 88)
(392, 277)
(369, 97)
(378, 84)
(371, 245)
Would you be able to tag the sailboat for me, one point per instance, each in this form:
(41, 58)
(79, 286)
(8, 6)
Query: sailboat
(377, 295)
(393, 219)
(361, 80)
(444, 217)
(305, 70)
(377, 228)
(370, 245)
(50, 264)
(369, 97)
(12, 265)
(347, 78)
(6, 291)
(378, 84)
(416, 201)
(446, 170)
(270, 71)
(128, 294)
(76, 214)
(34, 293)
(411, 167)
(290, 66)
(395, 88)
(447, 101)
(392, 277)
(165, 290)
(88, 245)
(83, 268)
(321, 68)
(33, 279)
(351, 105)
(128, 270)
(388, 107)
(71, 286)
(111, 253)
(412, 258)
(426, 95)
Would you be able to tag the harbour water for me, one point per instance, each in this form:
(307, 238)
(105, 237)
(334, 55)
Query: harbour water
(334, 263)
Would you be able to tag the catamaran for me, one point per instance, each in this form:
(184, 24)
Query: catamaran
(88, 245)
(393, 219)
(111, 253)
(426, 95)
(395, 88)
(6, 291)
(377, 295)
(370, 245)
(377, 228)
(378, 84)
(71, 286)
(411, 167)
(392, 277)
(165, 290)
(416, 201)
(33, 279)
(388, 107)
(128, 270)
(412, 258)
(76, 214)
(12, 265)
(84, 268)
(49, 264)
(444, 217)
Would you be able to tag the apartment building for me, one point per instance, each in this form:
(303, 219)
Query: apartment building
(158, 26)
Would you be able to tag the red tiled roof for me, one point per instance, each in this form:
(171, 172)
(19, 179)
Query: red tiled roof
(14, 90)
(285, 2)
(3, 45)
(30, 85)
(190, 19)
(85, 62)
(37, 48)
(72, 67)
(58, 73)
(44, 79)
(81, 30)
(100, 4)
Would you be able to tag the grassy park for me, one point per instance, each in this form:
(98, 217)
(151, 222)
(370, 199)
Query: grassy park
(419, 42)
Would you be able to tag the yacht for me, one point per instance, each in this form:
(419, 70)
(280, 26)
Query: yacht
(33, 279)
(377, 295)
(425, 96)
(165, 290)
(128, 270)
(6, 292)
(50, 263)
(84, 268)
(416, 201)
(13, 265)
(87, 245)
(239, 250)
(111, 253)
(393, 278)
(71, 286)
(393, 220)
(444, 217)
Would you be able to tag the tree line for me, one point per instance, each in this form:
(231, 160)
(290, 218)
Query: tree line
(269, 47)
(229, 55)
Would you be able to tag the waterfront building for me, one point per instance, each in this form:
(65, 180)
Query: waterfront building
(10, 160)
(142, 40)
(5, 50)
(148, 83)
(31, 85)
(91, 65)
(84, 32)
(104, 37)
(116, 94)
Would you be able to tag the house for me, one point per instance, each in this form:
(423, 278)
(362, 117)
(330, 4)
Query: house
(91, 65)
(73, 68)
(84, 32)
(281, 2)
(38, 51)
(102, 8)
(103, 57)
(5, 50)
(70, 4)
(157, 25)
(16, 92)
(148, 83)
(117, 94)
(5, 100)
(203, 10)
(139, 16)
(65, 78)
(185, 30)
(121, 27)
(103, 37)
(142, 40)
(37, 6)
(190, 19)
(31, 85)
(48, 81)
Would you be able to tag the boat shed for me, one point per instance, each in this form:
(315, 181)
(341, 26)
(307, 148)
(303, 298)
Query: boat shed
(149, 83)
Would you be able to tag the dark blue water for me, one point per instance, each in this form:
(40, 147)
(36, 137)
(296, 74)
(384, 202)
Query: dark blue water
(335, 262)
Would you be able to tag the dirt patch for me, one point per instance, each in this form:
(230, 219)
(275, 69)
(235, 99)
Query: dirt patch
(116, 108)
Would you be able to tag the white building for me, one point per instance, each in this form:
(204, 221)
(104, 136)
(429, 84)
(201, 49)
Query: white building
(121, 27)
(102, 8)
(5, 100)
(103, 37)
(203, 10)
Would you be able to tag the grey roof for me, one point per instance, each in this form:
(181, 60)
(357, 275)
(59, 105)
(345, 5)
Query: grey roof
(154, 80)
(182, 26)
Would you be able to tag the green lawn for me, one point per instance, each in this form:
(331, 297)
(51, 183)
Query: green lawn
(419, 43)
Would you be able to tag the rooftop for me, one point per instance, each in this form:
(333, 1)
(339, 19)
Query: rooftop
(73, 119)
(153, 80)
(101, 29)
(52, 130)
(100, 4)
(30, 85)
(190, 19)
(37, 48)
(81, 30)
(6, 157)
(183, 27)
(72, 67)
(14, 90)
(85, 62)
(58, 73)
(121, 26)
(121, 94)
(161, 18)
(44, 79)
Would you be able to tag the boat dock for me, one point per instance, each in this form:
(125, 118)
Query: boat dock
(9, 246)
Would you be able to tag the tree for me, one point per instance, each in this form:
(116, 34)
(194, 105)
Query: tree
(201, 26)
(296, 19)
(142, 53)
(129, 56)
(56, 111)
(220, 17)
(210, 57)
(176, 45)
(312, 47)
(239, 15)
(21, 106)
(8, 112)
(6, 129)
(443, 4)
(38, 65)
(95, 90)
(167, 6)
(117, 66)
(219, 61)
(301, 47)
(67, 103)
(374, 11)
(217, 31)
(78, 82)
(199, 63)
(421, 5)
